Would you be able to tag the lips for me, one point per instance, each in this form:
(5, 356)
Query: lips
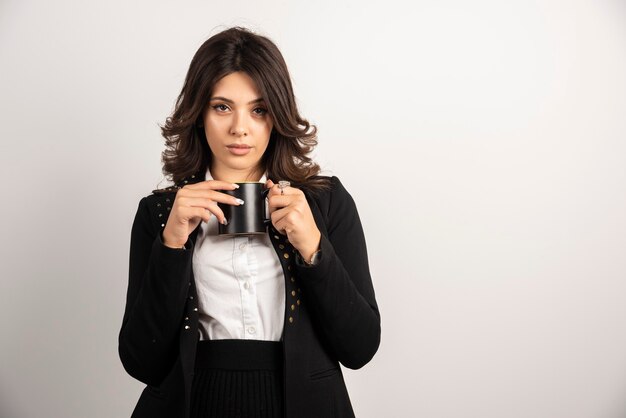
(239, 149)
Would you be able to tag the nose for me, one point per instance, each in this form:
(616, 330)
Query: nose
(239, 126)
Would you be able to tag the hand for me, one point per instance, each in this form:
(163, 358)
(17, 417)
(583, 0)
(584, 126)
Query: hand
(292, 216)
(195, 203)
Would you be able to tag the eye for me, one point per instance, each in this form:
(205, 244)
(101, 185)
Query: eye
(263, 111)
(217, 107)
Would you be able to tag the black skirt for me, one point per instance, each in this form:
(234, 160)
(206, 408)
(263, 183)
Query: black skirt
(238, 378)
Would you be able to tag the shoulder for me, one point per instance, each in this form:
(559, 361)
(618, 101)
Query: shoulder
(153, 211)
(335, 186)
(156, 206)
(335, 201)
(336, 191)
(191, 179)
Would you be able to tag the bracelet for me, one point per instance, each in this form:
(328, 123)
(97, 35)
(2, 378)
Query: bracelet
(313, 258)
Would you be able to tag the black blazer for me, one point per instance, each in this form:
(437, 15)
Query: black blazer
(331, 314)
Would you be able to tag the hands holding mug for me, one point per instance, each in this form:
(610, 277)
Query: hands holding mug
(288, 209)
(195, 203)
(292, 216)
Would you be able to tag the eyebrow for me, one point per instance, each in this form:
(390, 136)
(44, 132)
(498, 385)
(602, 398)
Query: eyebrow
(260, 99)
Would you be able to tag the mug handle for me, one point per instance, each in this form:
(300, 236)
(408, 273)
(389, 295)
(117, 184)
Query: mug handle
(266, 220)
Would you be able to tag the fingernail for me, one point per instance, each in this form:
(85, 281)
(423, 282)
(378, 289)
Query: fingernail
(225, 222)
(239, 201)
(236, 185)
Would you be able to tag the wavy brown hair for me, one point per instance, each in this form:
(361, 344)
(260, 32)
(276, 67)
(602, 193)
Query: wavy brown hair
(292, 138)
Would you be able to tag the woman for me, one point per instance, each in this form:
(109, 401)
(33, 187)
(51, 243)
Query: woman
(256, 325)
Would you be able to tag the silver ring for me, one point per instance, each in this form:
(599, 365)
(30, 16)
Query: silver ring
(282, 184)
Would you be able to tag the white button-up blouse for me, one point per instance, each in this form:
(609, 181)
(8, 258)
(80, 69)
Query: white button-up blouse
(240, 284)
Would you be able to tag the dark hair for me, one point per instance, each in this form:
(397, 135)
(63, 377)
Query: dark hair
(238, 49)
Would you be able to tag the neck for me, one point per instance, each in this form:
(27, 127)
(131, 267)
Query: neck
(233, 175)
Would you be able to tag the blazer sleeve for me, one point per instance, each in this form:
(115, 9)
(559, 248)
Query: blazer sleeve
(339, 288)
(158, 285)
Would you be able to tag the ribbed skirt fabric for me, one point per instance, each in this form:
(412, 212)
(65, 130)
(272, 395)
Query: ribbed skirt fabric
(238, 378)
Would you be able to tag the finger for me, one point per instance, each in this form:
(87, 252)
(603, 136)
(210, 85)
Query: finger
(198, 202)
(205, 214)
(202, 212)
(278, 218)
(281, 227)
(207, 205)
(269, 184)
(211, 185)
(278, 201)
(213, 195)
(276, 223)
(275, 190)
(215, 210)
(290, 189)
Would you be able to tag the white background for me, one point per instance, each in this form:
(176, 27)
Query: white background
(483, 142)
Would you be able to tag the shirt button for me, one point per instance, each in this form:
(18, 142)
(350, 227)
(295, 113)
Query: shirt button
(251, 330)
(243, 246)
(246, 285)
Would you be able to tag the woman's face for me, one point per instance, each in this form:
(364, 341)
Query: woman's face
(237, 127)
